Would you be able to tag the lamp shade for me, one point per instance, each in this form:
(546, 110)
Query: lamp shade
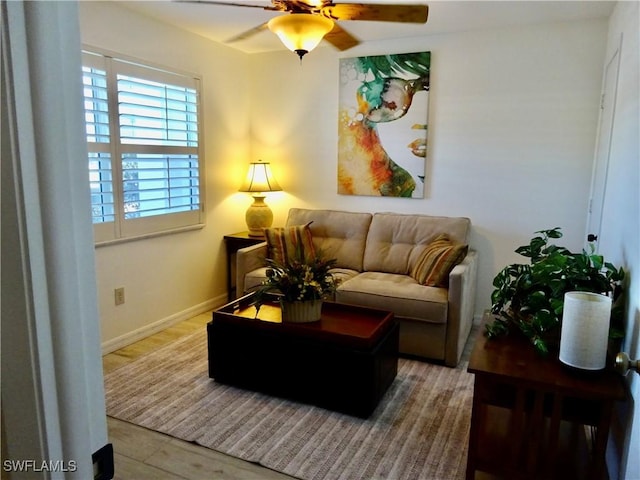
(259, 179)
(300, 32)
(585, 330)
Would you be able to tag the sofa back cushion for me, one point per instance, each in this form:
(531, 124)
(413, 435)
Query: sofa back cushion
(336, 234)
(396, 241)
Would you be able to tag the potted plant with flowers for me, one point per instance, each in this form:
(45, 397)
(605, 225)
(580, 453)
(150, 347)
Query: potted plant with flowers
(300, 285)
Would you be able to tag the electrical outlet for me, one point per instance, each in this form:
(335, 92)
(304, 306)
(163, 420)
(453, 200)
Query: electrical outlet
(119, 295)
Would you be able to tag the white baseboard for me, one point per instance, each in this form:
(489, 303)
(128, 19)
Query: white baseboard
(477, 319)
(155, 327)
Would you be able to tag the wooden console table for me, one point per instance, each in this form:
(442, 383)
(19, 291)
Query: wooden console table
(530, 413)
(233, 243)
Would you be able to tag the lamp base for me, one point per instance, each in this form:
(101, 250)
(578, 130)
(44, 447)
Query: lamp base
(258, 217)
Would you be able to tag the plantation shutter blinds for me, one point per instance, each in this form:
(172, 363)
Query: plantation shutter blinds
(100, 151)
(143, 129)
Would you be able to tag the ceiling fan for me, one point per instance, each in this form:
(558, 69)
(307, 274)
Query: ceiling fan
(309, 21)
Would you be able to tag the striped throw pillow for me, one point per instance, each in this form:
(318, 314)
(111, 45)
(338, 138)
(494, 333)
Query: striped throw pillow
(288, 244)
(436, 262)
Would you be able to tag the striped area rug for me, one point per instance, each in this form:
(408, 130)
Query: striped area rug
(419, 431)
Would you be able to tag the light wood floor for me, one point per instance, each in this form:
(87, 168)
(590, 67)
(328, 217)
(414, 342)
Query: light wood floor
(142, 454)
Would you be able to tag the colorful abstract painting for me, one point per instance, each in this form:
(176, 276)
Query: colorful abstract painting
(383, 113)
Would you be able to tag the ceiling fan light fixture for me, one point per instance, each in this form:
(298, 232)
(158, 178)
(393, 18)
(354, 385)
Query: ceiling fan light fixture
(300, 32)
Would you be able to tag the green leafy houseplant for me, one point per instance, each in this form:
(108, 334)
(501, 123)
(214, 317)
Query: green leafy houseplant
(530, 297)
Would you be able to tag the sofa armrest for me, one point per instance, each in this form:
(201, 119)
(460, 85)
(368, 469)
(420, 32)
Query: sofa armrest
(247, 260)
(462, 294)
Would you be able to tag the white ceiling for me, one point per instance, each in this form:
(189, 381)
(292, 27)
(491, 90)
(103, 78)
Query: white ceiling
(222, 22)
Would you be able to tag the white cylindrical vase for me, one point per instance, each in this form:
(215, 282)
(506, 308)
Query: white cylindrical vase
(301, 312)
(585, 330)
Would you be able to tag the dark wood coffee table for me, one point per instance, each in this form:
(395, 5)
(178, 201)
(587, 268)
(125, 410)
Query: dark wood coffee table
(344, 362)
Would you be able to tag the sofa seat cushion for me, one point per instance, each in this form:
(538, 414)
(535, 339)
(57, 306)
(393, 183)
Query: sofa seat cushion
(400, 294)
(343, 274)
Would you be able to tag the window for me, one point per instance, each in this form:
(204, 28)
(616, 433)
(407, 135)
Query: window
(142, 126)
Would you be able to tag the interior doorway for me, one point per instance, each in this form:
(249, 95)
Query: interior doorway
(603, 149)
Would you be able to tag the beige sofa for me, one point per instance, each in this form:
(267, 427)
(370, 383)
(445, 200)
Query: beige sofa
(375, 255)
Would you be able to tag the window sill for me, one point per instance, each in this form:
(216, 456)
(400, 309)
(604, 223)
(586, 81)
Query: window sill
(146, 236)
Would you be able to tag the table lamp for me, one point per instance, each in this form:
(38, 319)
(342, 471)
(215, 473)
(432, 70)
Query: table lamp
(259, 180)
(585, 330)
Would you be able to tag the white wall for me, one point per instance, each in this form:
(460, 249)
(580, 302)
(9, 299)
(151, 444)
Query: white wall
(620, 234)
(513, 118)
(176, 276)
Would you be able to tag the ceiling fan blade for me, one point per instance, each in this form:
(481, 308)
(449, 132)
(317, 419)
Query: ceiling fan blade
(248, 33)
(227, 4)
(341, 39)
(379, 13)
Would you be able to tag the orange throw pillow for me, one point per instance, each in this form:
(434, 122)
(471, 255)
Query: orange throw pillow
(436, 262)
(289, 244)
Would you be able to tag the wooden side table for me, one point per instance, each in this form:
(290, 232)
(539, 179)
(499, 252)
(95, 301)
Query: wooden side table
(233, 243)
(530, 413)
